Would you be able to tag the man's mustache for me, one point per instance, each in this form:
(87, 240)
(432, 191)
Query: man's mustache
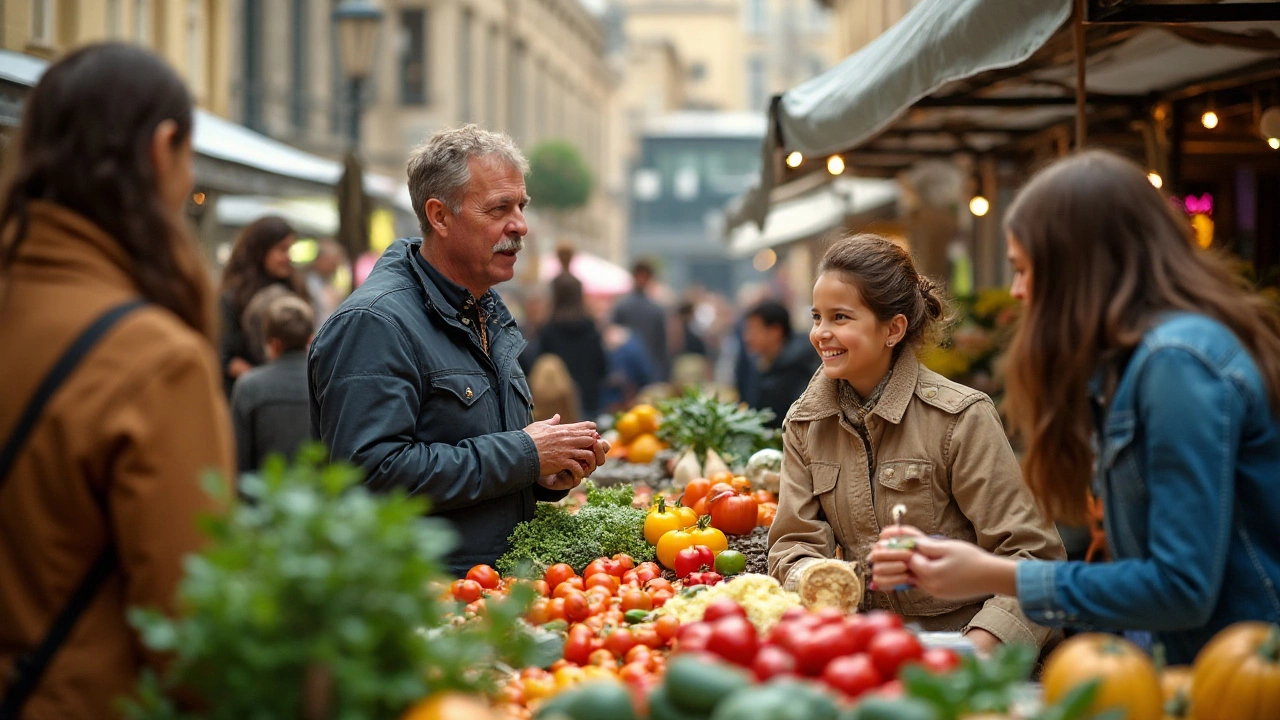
(509, 244)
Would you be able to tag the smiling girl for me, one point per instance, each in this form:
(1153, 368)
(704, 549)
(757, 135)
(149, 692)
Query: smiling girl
(875, 429)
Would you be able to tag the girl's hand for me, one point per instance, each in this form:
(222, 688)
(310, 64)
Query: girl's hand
(888, 557)
(957, 570)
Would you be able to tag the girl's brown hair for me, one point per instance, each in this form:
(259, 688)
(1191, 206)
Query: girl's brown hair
(85, 144)
(1107, 253)
(889, 284)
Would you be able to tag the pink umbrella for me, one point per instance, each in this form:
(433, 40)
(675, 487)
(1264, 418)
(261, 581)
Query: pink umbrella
(599, 276)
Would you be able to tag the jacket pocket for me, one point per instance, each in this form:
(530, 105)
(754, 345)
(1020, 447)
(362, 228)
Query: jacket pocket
(467, 387)
(908, 483)
(825, 477)
(522, 408)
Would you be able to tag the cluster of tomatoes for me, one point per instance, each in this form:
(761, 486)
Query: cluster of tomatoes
(853, 654)
(733, 506)
(609, 631)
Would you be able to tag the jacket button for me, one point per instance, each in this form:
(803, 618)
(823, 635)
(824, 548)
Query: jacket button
(469, 393)
(888, 472)
(931, 393)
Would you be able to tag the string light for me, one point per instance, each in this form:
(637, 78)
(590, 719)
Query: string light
(979, 205)
(1209, 119)
(1155, 179)
(794, 160)
(764, 260)
(835, 165)
(1274, 143)
(198, 198)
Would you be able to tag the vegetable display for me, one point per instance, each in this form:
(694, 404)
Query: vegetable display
(704, 423)
(605, 526)
(1237, 675)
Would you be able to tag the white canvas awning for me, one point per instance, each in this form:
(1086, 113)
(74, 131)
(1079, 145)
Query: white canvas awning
(813, 214)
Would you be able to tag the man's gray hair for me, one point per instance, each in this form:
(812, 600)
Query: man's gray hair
(439, 168)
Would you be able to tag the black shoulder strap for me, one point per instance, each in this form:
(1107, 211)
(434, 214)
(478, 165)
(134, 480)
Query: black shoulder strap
(27, 670)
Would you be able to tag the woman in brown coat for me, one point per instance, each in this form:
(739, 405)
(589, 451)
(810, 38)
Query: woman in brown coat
(114, 460)
(876, 429)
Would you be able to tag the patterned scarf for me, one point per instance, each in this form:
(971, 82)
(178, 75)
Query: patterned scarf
(478, 314)
(856, 409)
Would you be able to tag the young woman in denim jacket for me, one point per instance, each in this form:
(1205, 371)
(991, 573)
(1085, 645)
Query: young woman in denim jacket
(1144, 372)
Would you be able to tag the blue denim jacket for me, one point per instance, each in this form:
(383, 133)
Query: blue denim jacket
(1189, 473)
(401, 387)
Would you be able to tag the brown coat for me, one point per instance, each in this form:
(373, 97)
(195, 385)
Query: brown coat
(116, 457)
(939, 448)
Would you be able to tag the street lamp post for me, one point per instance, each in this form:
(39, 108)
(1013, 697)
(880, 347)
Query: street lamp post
(358, 22)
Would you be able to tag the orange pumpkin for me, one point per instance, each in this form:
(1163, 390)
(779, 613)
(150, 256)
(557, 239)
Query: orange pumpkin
(449, 706)
(1237, 675)
(1127, 679)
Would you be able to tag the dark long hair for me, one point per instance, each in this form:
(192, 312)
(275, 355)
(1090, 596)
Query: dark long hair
(567, 302)
(245, 275)
(1107, 253)
(85, 144)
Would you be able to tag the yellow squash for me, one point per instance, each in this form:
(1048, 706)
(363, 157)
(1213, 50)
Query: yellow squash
(1127, 679)
(1237, 675)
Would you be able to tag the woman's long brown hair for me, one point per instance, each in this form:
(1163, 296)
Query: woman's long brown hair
(245, 273)
(85, 144)
(1107, 253)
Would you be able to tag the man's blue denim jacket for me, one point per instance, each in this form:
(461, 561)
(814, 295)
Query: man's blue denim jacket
(1188, 470)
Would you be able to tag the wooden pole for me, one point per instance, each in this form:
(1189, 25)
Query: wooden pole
(1081, 90)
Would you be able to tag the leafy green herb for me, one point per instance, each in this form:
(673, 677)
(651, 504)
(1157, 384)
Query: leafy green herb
(322, 599)
(605, 526)
(705, 423)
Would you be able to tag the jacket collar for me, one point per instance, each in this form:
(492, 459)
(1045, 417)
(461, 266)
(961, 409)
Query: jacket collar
(64, 239)
(822, 398)
(436, 298)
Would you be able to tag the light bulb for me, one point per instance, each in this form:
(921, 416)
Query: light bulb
(979, 205)
(1209, 119)
(1274, 143)
(794, 160)
(1155, 179)
(835, 164)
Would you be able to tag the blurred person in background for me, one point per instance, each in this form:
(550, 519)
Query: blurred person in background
(269, 403)
(785, 360)
(322, 279)
(572, 336)
(101, 498)
(629, 368)
(259, 258)
(691, 342)
(645, 318)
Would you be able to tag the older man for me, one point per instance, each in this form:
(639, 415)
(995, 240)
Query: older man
(415, 378)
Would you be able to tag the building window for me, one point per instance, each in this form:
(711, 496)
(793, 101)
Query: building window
(491, 79)
(298, 89)
(757, 87)
(195, 27)
(42, 21)
(413, 57)
(142, 21)
(464, 65)
(757, 15)
(517, 86)
(115, 19)
(252, 59)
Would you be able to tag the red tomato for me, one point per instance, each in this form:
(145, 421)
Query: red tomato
(576, 607)
(602, 658)
(658, 583)
(693, 637)
(557, 574)
(789, 634)
(852, 675)
(467, 591)
(667, 626)
(625, 562)
(578, 645)
(542, 587)
(695, 491)
(485, 575)
(636, 600)
(723, 607)
(537, 612)
(632, 578)
(660, 597)
(573, 583)
(647, 571)
(693, 559)
(883, 620)
(829, 615)
(639, 653)
(597, 606)
(820, 646)
(597, 567)
(634, 673)
(646, 636)
(795, 612)
(596, 594)
(771, 662)
(892, 689)
(940, 660)
(891, 648)
(475, 608)
(555, 609)
(734, 639)
(603, 580)
(619, 642)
